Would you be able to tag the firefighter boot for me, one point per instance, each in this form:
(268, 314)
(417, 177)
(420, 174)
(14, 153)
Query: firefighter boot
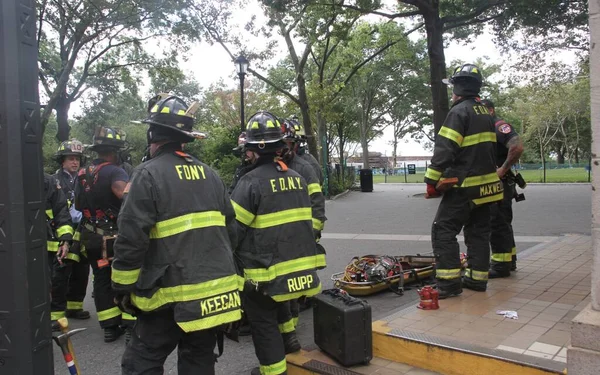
(128, 333)
(112, 333)
(498, 273)
(290, 342)
(447, 288)
(55, 326)
(478, 286)
(78, 314)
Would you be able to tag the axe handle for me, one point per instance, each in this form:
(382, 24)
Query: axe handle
(64, 329)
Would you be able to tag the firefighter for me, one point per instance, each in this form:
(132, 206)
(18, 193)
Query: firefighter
(101, 187)
(60, 232)
(276, 252)
(502, 239)
(465, 148)
(246, 161)
(70, 158)
(302, 151)
(173, 261)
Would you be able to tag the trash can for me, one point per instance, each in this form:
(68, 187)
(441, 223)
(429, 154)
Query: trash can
(366, 180)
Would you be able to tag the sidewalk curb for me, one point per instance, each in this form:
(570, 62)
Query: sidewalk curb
(340, 195)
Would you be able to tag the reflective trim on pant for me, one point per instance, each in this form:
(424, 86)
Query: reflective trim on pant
(447, 274)
(55, 315)
(476, 275)
(501, 237)
(502, 257)
(287, 327)
(74, 305)
(109, 314)
(513, 251)
(274, 369)
(126, 316)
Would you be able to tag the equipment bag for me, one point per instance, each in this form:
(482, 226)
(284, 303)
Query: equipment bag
(342, 327)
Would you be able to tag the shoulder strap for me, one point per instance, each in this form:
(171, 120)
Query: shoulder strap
(184, 156)
(88, 178)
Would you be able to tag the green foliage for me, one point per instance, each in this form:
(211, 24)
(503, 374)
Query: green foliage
(49, 147)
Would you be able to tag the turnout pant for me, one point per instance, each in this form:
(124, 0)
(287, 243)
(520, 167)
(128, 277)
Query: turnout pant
(502, 238)
(287, 316)
(59, 282)
(80, 273)
(263, 314)
(455, 213)
(156, 335)
(109, 315)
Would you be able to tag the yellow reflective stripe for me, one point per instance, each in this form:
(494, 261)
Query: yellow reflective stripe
(477, 275)
(211, 321)
(295, 321)
(126, 316)
(282, 217)
(491, 198)
(321, 261)
(242, 215)
(65, 229)
(452, 273)
(187, 222)
(50, 214)
(317, 224)
(52, 246)
(281, 269)
(287, 327)
(432, 174)
(274, 369)
(451, 134)
(108, 314)
(73, 257)
(165, 110)
(314, 188)
(186, 293)
(296, 295)
(77, 236)
(55, 315)
(513, 251)
(480, 180)
(74, 305)
(502, 257)
(125, 277)
(474, 139)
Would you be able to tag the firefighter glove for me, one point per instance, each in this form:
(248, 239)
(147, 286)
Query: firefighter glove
(431, 192)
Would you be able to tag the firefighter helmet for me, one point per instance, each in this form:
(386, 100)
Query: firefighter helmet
(106, 137)
(465, 72)
(171, 112)
(69, 148)
(488, 103)
(241, 142)
(264, 132)
(300, 132)
(289, 130)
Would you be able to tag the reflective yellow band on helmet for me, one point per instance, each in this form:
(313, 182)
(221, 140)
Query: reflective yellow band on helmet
(274, 369)
(474, 139)
(74, 305)
(477, 275)
(317, 224)
(513, 251)
(480, 180)
(282, 217)
(185, 293)
(502, 257)
(283, 268)
(187, 222)
(451, 134)
(211, 321)
(447, 274)
(125, 277)
(490, 199)
(109, 314)
(291, 296)
(52, 246)
(65, 229)
(287, 327)
(314, 188)
(432, 174)
(242, 215)
(126, 316)
(55, 315)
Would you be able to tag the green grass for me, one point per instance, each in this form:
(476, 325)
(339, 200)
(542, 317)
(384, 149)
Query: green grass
(530, 175)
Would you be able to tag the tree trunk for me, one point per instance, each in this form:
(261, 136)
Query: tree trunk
(364, 142)
(576, 155)
(560, 156)
(394, 155)
(62, 118)
(437, 65)
(303, 98)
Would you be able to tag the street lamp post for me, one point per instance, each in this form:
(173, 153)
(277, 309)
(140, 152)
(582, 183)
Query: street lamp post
(241, 65)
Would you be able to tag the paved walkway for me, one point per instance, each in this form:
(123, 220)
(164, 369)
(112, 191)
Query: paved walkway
(549, 289)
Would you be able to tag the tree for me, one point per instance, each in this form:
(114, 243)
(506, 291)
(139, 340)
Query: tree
(94, 45)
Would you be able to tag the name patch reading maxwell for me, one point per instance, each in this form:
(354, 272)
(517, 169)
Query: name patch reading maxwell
(190, 172)
(286, 183)
(300, 283)
(491, 189)
(220, 303)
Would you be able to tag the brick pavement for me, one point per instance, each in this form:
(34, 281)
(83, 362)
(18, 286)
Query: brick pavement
(549, 289)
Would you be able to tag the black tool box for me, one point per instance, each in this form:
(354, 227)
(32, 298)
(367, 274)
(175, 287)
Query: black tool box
(343, 327)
